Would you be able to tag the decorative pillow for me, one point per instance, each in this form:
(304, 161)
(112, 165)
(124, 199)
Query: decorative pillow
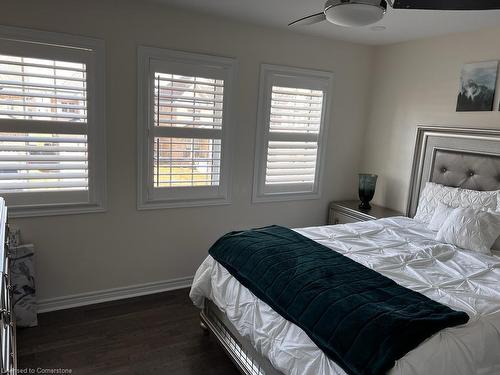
(440, 215)
(481, 200)
(429, 199)
(455, 197)
(470, 229)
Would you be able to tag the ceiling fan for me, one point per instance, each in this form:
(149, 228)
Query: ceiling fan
(365, 12)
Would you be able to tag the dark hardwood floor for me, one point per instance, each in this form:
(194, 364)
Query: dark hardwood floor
(156, 334)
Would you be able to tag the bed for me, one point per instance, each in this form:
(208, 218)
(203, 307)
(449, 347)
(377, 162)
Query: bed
(260, 341)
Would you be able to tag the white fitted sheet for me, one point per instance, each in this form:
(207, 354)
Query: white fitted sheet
(403, 250)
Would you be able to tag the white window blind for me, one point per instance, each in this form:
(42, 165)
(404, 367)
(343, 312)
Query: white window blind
(294, 124)
(292, 113)
(183, 128)
(51, 123)
(192, 104)
(43, 90)
(38, 162)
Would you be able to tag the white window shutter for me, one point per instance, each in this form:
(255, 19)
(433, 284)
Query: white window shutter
(293, 111)
(51, 123)
(184, 126)
(42, 90)
(190, 103)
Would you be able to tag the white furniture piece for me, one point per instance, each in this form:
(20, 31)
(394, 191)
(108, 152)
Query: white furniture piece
(8, 354)
(344, 212)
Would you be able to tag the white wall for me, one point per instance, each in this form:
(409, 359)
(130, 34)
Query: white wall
(416, 83)
(84, 253)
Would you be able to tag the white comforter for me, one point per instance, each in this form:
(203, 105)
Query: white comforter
(403, 250)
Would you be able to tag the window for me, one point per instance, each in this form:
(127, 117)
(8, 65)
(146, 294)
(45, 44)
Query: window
(184, 125)
(51, 123)
(291, 133)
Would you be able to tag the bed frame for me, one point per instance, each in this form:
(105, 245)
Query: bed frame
(457, 157)
(239, 348)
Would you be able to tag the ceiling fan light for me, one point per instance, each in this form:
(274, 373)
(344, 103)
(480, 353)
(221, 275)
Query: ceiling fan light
(354, 14)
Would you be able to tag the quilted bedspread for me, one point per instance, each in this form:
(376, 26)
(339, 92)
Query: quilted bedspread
(361, 319)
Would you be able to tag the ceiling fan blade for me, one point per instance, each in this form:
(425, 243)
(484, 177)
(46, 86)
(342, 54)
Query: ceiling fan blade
(309, 20)
(446, 4)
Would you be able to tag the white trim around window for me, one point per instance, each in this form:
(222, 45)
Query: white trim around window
(52, 123)
(292, 121)
(185, 104)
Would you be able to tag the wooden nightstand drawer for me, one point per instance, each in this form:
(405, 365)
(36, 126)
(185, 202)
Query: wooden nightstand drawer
(349, 212)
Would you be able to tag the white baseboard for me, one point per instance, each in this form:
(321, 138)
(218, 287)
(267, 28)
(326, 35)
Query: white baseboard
(105, 295)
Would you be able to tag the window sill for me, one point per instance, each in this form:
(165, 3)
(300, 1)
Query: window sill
(34, 211)
(158, 205)
(284, 197)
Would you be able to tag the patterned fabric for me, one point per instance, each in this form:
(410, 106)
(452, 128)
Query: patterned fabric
(455, 197)
(23, 282)
(441, 213)
(470, 229)
(478, 200)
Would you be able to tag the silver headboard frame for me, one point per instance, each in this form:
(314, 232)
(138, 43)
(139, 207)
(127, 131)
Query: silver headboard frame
(457, 157)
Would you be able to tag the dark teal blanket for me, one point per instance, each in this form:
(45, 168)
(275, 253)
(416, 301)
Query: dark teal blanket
(360, 319)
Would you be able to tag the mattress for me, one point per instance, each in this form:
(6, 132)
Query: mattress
(403, 250)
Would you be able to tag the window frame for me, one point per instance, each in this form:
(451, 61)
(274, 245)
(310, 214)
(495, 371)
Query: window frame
(58, 46)
(275, 75)
(151, 60)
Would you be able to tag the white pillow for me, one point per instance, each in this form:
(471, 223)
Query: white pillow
(455, 197)
(481, 200)
(470, 229)
(440, 215)
(429, 199)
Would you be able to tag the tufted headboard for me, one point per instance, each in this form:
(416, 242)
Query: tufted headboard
(458, 157)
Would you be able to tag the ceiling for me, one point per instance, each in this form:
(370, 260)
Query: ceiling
(401, 25)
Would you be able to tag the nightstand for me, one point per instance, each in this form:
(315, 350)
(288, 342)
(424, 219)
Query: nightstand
(344, 212)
